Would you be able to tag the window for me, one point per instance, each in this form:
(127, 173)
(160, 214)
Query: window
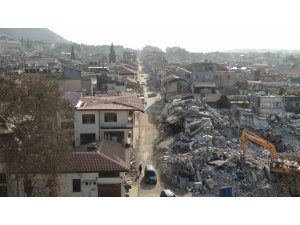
(88, 118)
(87, 138)
(3, 191)
(130, 117)
(110, 117)
(150, 173)
(117, 136)
(28, 186)
(2, 178)
(76, 185)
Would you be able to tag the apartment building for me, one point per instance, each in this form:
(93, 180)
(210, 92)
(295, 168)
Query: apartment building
(109, 117)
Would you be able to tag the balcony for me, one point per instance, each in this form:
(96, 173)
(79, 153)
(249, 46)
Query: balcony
(116, 125)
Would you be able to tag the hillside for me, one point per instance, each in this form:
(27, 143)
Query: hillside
(40, 34)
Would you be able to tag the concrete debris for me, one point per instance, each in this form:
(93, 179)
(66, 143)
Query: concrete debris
(253, 174)
(203, 147)
(218, 163)
(209, 183)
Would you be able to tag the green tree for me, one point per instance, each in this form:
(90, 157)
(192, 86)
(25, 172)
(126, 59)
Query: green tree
(112, 54)
(223, 102)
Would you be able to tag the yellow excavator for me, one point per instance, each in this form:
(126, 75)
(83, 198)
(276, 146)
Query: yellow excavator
(276, 165)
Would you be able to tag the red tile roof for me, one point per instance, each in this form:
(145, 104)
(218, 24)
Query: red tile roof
(110, 156)
(91, 162)
(125, 101)
(115, 151)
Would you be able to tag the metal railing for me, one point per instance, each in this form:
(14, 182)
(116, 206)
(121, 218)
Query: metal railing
(116, 125)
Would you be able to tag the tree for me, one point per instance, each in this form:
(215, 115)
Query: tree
(31, 107)
(223, 102)
(177, 54)
(72, 53)
(112, 54)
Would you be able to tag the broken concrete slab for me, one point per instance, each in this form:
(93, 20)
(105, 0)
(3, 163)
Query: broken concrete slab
(209, 183)
(267, 172)
(218, 163)
(253, 174)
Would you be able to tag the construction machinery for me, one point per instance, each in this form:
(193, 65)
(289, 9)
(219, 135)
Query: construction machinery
(277, 165)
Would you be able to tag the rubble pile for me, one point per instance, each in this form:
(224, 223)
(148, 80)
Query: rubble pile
(204, 148)
(132, 174)
(283, 129)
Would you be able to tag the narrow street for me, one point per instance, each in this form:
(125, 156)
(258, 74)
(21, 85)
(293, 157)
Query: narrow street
(147, 134)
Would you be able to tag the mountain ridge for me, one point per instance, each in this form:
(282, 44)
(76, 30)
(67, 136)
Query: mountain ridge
(38, 34)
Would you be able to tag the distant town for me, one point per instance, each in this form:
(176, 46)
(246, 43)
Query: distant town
(79, 120)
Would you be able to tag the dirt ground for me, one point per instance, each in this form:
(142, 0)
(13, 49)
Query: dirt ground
(147, 136)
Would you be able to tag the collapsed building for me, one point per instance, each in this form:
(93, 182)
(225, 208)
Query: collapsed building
(201, 146)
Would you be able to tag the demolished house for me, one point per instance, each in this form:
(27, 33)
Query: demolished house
(171, 85)
(202, 147)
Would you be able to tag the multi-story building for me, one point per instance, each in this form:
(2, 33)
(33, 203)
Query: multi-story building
(267, 104)
(292, 103)
(108, 117)
(225, 78)
(36, 64)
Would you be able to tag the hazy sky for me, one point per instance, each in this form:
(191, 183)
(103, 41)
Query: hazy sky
(196, 25)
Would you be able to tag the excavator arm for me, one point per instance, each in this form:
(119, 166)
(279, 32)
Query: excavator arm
(277, 165)
(246, 135)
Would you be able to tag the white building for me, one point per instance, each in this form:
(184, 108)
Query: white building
(100, 173)
(108, 117)
(267, 104)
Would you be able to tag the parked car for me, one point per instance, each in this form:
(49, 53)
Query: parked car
(150, 174)
(151, 94)
(167, 193)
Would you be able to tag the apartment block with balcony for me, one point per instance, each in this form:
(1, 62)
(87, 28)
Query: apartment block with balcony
(109, 117)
